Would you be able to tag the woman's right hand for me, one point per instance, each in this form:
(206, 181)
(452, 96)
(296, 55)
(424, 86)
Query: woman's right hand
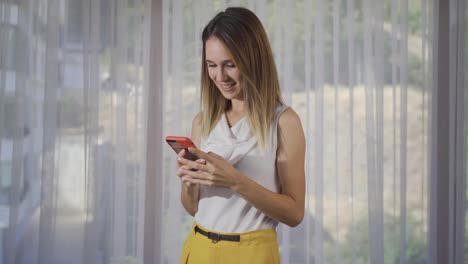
(183, 177)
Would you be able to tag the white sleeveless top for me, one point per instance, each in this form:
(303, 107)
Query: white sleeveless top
(223, 210)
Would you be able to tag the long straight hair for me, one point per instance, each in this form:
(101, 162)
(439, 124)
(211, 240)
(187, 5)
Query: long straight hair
(243, 34)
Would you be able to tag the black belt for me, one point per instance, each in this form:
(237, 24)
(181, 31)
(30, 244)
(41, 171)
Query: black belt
(215, 237)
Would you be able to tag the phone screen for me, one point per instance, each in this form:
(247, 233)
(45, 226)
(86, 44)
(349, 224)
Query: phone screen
(179, 145)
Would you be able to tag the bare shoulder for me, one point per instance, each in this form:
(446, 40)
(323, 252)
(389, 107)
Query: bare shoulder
(289, 118)
(196, 129)
(290, 131)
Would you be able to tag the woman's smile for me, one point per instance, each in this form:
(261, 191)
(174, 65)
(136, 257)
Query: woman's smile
(227, 86)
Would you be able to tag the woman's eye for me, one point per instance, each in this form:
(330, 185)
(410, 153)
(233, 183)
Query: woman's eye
(230, 65)
(211, 65)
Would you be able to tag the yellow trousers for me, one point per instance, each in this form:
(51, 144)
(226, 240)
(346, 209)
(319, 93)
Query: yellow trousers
(256, 247)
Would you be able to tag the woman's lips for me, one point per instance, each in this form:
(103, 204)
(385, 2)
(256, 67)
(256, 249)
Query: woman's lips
(227, 86)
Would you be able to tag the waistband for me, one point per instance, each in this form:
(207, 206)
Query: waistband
(262, 235)
(216, 237)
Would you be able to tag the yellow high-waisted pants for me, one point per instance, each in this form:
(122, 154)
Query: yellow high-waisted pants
(256, 247)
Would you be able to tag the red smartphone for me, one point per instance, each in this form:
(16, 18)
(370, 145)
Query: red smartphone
(180, 143)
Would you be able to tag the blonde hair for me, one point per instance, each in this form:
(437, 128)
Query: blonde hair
(244, 36)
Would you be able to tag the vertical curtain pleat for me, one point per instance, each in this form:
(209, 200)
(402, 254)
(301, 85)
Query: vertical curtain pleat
(352, 82)
(379, 120)
(426, 21)
(174, 220)
(87, 242)
(119, 220)
(277, 43)
(430, 91)
(394, 56)
(165, 72)
(140, 135)
(3, 55)
(48, 200)
(308, 86)
(457, 132)
(288, 55)
(461, 13)
(371, 137)
(319, 127)
(153, 113)
(403, 126)
(423, 111)
(86, 16)
(433, 167)
(198, 14)
(94, 182)
(452, 110)
(17, 159)
(12, 216)
(336, 83)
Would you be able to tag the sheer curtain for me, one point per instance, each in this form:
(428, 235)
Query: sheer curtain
(72, 131)
(359, 75)
(77, 118)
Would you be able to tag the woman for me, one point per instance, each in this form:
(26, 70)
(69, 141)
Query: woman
(250, 174)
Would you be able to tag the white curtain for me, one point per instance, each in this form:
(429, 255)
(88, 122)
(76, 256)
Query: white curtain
(74, 112)
(72, 131)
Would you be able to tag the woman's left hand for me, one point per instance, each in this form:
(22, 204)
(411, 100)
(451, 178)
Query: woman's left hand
(216, 172)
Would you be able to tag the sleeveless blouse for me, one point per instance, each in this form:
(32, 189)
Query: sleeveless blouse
(223, 210)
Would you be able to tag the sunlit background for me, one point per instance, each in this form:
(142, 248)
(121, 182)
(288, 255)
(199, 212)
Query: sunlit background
(74, 110)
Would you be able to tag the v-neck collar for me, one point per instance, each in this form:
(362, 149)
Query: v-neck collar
(227, 122)
(232, 143)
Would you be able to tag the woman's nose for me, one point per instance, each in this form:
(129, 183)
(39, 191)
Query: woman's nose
(221, 75)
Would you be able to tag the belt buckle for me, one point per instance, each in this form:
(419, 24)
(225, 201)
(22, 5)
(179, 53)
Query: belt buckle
(215, 238)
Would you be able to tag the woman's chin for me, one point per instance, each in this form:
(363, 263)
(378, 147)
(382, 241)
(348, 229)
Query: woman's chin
(229, 95)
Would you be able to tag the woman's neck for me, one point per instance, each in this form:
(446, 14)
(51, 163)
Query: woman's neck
(237, 107)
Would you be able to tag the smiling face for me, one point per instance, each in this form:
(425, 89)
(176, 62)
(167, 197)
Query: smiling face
(222, 70)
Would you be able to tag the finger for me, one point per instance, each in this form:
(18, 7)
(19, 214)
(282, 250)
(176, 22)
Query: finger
(181, 153)
(201, 161)
(201, 154)
(199, 181)
(197, 174)
(180, 172)
(188, 164)
(186, 181)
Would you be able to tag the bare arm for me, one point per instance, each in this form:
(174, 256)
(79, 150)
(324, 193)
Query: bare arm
(190, 192)
(286, 206)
